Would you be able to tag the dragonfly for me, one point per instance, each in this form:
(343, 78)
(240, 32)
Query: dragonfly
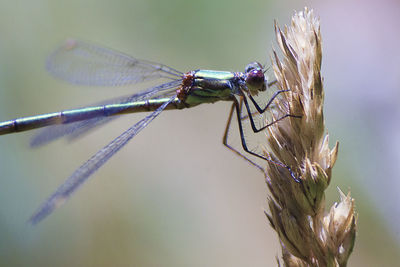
(84, 63)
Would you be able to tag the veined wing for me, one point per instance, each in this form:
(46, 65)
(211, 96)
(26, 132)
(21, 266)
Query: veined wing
(83, 63)
(77, 129)
(90, 166)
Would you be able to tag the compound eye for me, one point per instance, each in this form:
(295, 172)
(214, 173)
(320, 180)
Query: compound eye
(255, 80)
(253, 65)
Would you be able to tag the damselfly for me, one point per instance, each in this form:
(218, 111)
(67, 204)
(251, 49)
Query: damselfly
(87, 64)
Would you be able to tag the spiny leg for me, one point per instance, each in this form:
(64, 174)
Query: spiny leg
(261, 111)
(226, 133)
(271, 83)
(244, 145)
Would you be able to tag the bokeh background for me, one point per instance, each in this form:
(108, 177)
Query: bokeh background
(174, 196)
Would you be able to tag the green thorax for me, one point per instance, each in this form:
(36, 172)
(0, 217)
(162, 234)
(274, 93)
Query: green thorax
(209, 86)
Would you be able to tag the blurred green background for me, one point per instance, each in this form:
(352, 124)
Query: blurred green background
(175, 196)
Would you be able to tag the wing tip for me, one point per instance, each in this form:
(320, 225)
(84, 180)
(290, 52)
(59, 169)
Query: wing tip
(38, 216)
(46, 209)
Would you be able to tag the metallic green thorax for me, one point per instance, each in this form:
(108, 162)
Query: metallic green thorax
(209, 86)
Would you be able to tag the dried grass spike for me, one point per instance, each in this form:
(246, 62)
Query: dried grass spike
(309, 236)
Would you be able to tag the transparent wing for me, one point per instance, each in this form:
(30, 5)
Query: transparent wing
(90, 166)
(83, 63)
(77, 129)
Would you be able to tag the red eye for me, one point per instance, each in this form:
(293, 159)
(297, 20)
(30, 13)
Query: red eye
(255, 80)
